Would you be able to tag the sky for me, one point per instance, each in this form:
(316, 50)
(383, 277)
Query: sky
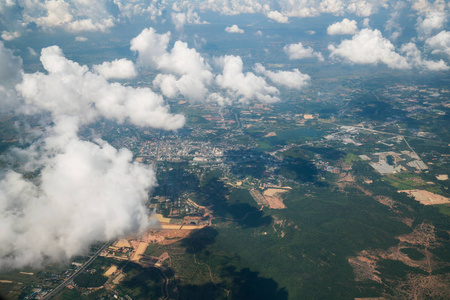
(73, 63)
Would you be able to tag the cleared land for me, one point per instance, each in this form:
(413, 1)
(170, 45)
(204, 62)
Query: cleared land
(139, 251)
(270, 197)
(111, 271)
(427, 198)
(273, 198)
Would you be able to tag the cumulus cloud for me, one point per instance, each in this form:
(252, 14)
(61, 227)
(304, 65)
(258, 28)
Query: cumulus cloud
(73, 16)
(32, 51)
(153, 9)
(71, 89)
(432, 16)
(295, 8)
(88, 16)
(432, 22)
(244, 86)
(227, 7)
(344, 27)
(234, 29)
(414, 57)
(392, 25)
(365, 8)
(440, 43)
(191, 74)
(298, 51)
(291, 79)
(369, 47)
(80, 39)
(306, 8)
(189, 17)
(117, 69)
(10, 75)
(9, 36)
(150, 46)
(335, 7)
(84, 191)
(366, 22)
(277, 17)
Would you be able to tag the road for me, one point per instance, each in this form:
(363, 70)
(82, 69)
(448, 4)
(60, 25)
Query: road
(71, 277)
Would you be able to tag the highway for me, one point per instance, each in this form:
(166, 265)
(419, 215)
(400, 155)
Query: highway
(71, 277)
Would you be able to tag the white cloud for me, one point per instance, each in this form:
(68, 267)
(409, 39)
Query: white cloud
(392, 25)
(335, 7)
(10, 75)
(89, 25)
(85, 192)
(9, 36)
(234, 29)
(81, 39)
(243, 86)
(298, 51)
(440, 43)
(32, 51)
(291, 79)
(277, 17)
(414, 57)
(366, 22)
(433, 21)
(150, 46)
(306, 8)
(233, 7)
(432, 16)
(72, 16)
(57, 14)
(153, 9)
(192, 74)
(344, 27)
(72, 90)
(189, 17)
(117, 69)
(179, 19)
(369, 47)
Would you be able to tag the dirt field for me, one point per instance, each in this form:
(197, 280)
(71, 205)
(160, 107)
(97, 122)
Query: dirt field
(427, 198)
(270, 134)
(442, 177)
(161, 219)
(111, 271)
(164, 237)
(139, 251)
(118, 278)
(122, 243)
(273, 198)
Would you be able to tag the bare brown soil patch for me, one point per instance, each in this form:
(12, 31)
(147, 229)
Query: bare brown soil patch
(427, 198)
(273, 198)
(165, 237)
(416, 286)
(425, 287)
(364, 267)
(273, 133)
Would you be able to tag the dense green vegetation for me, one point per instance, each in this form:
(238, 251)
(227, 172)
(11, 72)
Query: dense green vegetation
(90, 280)
(322, 227)
(142, 283)
(413, 253)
